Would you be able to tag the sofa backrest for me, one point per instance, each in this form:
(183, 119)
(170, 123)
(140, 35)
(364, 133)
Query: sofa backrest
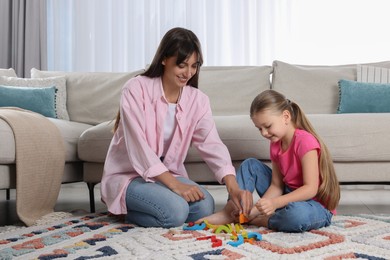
(231, 89)
(8, 72)
(314, 88)
(92, 97)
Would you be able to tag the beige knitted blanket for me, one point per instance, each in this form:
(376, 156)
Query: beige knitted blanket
(40, 160)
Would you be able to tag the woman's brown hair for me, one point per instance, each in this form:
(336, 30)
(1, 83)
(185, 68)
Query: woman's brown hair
(329, 190)
(177, 42)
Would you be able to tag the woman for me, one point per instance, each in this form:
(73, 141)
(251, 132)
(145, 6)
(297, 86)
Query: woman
(161, 114)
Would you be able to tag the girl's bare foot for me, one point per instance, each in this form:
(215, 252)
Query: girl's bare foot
(260, 221)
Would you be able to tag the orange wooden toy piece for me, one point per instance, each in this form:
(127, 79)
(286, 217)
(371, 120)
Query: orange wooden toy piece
(243, 219)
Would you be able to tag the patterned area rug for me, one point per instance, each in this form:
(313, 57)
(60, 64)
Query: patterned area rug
(106, 237)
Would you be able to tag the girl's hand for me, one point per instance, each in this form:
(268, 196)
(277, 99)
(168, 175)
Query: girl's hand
(190, 193)
(265, 206)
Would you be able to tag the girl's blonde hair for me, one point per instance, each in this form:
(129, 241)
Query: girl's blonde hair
(329, 190)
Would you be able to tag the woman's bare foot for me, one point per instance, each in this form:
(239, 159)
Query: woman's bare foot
(225, 216)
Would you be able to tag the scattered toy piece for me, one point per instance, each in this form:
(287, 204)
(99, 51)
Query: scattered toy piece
(238, 234)
(255, 235)
(226, 228)
(215, 242)
(239, 241)
(194, 226)
(243, 219)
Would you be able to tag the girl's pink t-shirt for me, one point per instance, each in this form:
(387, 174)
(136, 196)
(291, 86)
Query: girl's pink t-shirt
(289, 161)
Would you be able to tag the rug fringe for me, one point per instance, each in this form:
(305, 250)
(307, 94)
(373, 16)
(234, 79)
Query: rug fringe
(52, 217)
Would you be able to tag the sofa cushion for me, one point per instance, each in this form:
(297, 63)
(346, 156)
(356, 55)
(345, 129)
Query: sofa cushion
(350, 149)
(8, 72)
(94, 142)
(361, 97)
(231, 89)
(241, 137)
(238, 133)
(355, 137)
(93, 97)
(70, 131)
(38, 100)
(314, 88)
(58, 82)
(7, 143)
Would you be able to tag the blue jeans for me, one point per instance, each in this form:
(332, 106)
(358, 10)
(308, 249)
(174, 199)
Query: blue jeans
(295, 216)
(154, 205)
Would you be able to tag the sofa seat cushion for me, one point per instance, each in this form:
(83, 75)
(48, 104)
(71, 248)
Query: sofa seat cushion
(70, 131)
(95, 141)
(349, 137)
(241, 137)
(237, 132)
(355, 137)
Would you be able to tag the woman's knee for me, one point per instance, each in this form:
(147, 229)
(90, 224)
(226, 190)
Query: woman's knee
(168, 215)
(201, 208)
(176, 214)
(161, 207)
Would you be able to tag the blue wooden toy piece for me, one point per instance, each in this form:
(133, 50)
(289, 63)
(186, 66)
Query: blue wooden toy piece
(239, 241)
(255, 235)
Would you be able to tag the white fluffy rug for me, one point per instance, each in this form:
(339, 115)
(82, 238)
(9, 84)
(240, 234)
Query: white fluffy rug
(102, 236)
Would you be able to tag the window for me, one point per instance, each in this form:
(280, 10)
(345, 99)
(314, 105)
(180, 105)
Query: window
(122, 35)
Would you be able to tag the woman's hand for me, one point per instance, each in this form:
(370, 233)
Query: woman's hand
(190, 193)
(243, 201)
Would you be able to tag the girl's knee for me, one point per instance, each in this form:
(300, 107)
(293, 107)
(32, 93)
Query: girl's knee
(290, 219)
(248, 163)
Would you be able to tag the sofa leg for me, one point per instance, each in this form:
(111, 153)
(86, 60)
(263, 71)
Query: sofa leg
(8, 194)
(91, 187)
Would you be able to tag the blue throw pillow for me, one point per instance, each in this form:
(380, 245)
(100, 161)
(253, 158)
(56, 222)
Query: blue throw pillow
(39, 100)
(361, 97)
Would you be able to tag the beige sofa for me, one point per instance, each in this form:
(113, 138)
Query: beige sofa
(358, 141)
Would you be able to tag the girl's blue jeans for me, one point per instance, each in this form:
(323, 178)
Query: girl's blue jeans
(155, 205)
(296, 216)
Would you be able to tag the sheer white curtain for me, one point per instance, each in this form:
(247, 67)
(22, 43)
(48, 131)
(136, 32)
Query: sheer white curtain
(122, 35)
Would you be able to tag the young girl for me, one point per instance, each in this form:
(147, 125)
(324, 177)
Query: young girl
(301, 192)
(161, 114)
